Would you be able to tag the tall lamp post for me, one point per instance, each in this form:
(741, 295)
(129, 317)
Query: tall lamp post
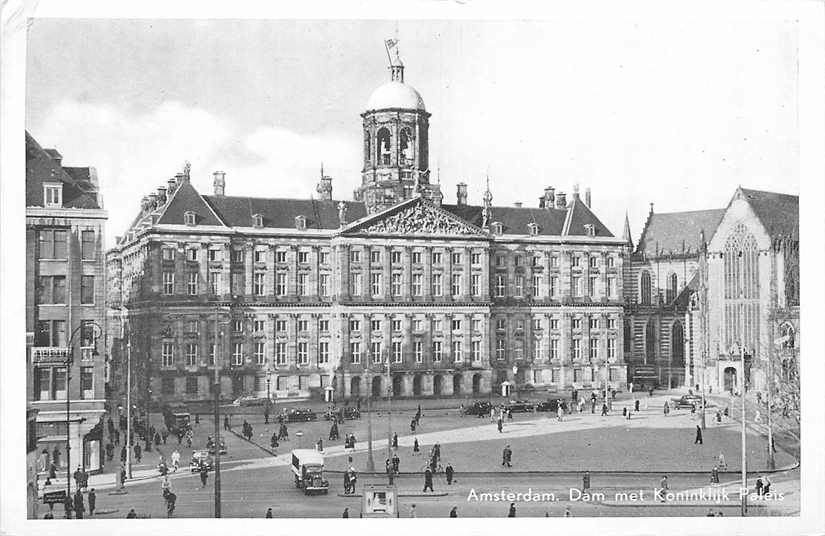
(744, 440)
(217, 418)
(389, 412)
(515, 379)
(69, 361)
(370, 459)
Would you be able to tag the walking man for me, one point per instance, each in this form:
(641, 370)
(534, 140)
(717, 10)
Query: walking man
(604, 409)
(92, 501)
(454, 512)
(663, 485)
(500, 425)
(448, 471)
(512, 511)
(394, 440)
(79, 508)
(714, 475)
(506, 456)
(137, 452)
(204, 475)
(636, 405)
(698, 435)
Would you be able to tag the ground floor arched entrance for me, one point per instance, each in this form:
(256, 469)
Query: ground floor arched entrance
(437, 385)
(476, 384)
(417, 385)
(396, 385)
(730, 378)
(355, 386)
(376, 386)
(457, 380)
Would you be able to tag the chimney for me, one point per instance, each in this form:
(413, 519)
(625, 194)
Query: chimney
(324, 188)
(461, 194)
(517, 204)
(587, 197)
(549, 197)
(576, 191)
(219, 182)
(561, 200)
(161, 195)
(541, 201)
(171, 187)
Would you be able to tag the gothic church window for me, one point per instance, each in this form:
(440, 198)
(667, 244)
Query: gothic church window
(645, 288)
(677, 345)
(672, 286)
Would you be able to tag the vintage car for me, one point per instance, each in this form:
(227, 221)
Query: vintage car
(552, 405)
(210, 446)
(300, 415)
(346, 412)
(199, 458)
(687, 401)
(249, 400)
(520, 406)
(308, 470)
(478, 408)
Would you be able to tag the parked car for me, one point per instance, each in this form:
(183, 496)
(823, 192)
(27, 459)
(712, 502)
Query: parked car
(346, 412)
(687, 401)
(478, 408)
(200, 457)
(552, 405)
(520, 406)
(210, 446)
(249, 400)
(300, 415)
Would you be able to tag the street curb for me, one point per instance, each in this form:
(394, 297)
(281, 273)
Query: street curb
(405, 494)
(263, 448)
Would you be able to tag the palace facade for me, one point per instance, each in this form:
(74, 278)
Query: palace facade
(292, 297)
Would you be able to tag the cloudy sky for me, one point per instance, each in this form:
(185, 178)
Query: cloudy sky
(674, 113)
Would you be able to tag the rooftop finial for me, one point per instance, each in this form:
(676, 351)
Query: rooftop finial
(396, 65)
(322, 169)
(187, 166)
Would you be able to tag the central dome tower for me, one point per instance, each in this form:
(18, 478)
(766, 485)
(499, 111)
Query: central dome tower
(396, 160)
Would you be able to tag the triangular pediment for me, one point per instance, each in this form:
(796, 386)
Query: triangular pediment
(414, 217)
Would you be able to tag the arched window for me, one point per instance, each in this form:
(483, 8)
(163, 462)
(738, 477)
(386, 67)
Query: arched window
(672, 287)
(788, 334)
(650, 341)
(628, 338)
(367, 149)
(677, 345)
(741, 288)
(406, 146)
(644, 288)
(383, 153)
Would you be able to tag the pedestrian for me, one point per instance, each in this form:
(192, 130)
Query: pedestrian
(137, 452)
(666, 409)
(412, 425)
(122, 474)
(604, 409)
(68, 506)
(171, 499)
(416, 449)
(78, 479)
(92, 500)
(266, 415)
(722, 465)
(650, 392)
(500, 425)
(698, 435)
(412, 511)
(512, 511)
(226, 422)
(345, 515)
(204, 474)
(56, 457)
(268, 513)
(636, 405)
(757, 417)
(759, 486)
(396, 464)
(428, 479)
(197, 418)
(394, 440)
(567, 512)
(586, 481)
(273, 441)
(506, 456)
(560, 412)
(710, 513)
(624, 412)
(131, 514)
(718, 417)
(714, 475)
(157, 439)
(79, 508)
(448, 471)
(319, 446)
(454, 511)
(663, 485)
(52, 470)
(110, 450)
(176, 459)
(767, 487)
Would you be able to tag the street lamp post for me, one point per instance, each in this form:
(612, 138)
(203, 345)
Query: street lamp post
(515, 379)
(217, 418)
(389, 413)
(370, 459)
(744, 440)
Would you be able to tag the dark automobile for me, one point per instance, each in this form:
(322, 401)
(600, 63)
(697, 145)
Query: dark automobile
(520, 406)
(687, 401)
(199, 458)
(300, 415)
(478, 408)
(210, 446)
(345, 412)
(551, 405)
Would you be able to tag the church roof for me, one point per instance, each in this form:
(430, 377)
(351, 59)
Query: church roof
(677, 232)
(778, 213)
(44, 165)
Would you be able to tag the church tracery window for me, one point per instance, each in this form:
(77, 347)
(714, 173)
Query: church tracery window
(644, 288)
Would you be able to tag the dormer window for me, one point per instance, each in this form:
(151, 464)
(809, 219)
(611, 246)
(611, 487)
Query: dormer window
(53, 195)
(497, 227)
(189, 218)
(257, 221)
(532, 229)
(300, 223)
(589, 229)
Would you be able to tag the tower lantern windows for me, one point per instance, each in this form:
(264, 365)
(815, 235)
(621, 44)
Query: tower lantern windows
(384, 152)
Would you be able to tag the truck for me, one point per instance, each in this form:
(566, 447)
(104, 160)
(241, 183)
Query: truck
(308, 469)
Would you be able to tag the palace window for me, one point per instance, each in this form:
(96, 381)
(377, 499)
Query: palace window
(191, 354)
(418, 350)
(458, 351)
(323, 257)
(554, 322)
(280, 256)
(554, 262)
(323, 325)
(236, 256)
(416, 257)
(375, 349)
(87, 245)
(476, 325)
(191, 385)
(537, 324)
(475, 259)
(215, 255)
(475, 351)
(519, 285)
(189, 218)
(354, 324)
(577, 323)
(396, 351)
(455, 258)
(303, 324)
(382, 148)
(436, 257)
(258, 326)
(536, 286)
(554, 286)
(418, 325)
(437, 325)
(537, 354)
(323, 352)
(303, 354)
(437, 285)
(500, 352)
(395, 257)
(672, 287)
(396, 284)
(258, 284)
(396, 325)
(303, 287)
(554, 348)
(375, 256)
(168, 283)
(591, 285)
(575, 261)
(501, 324)
(594, 349)
(456, 324)
(475, 285)
(577, 286)
(500, 286)
(611, 262)
(167, 254)
(375, 326)
(323, 281)
(375, 284)
(355, 352)
(416, 284)
(280, 353)
(167, 354)
(518, 349)
(355, 255)
(577, 349)
(192, 283)
(611, 287)
(260, 353)
(355, 284)
(280, 284)
(437, 351)
(455, 286)
(594, 262)
(594, 323)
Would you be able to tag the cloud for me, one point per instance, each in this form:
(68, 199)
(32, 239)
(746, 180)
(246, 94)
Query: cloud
(135, 153)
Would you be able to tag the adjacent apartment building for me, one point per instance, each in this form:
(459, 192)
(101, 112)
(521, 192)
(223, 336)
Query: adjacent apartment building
(65, 309)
